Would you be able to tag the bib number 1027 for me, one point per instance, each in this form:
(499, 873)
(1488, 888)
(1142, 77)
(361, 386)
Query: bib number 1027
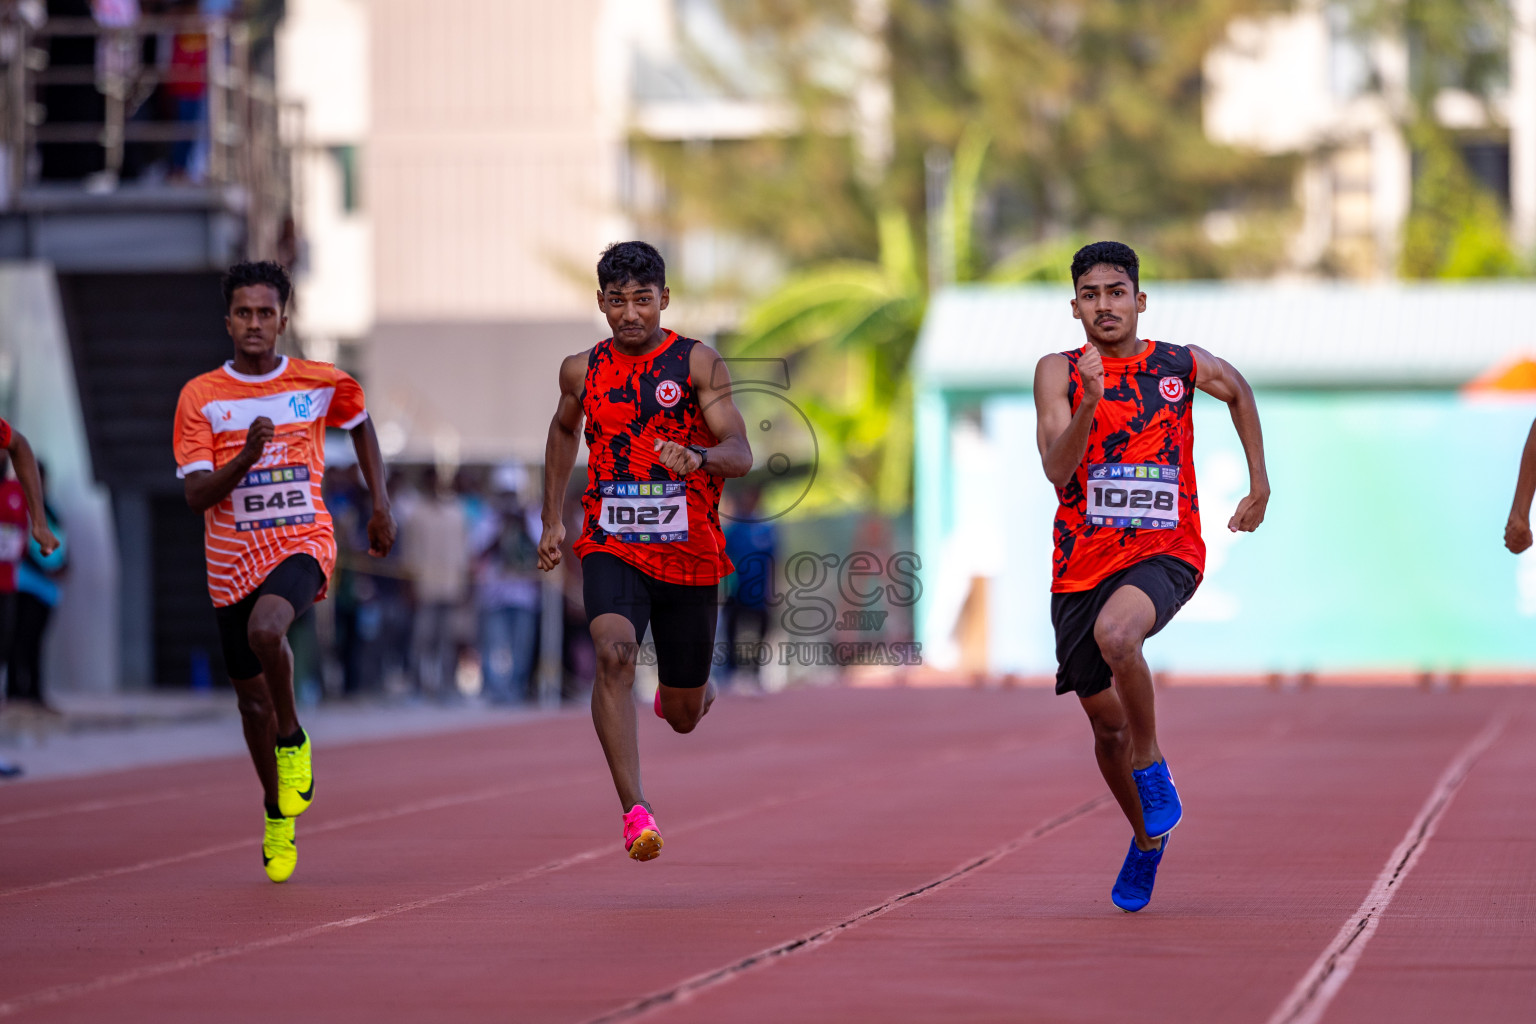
(641, 515)
(644, 511)
(1134, 496)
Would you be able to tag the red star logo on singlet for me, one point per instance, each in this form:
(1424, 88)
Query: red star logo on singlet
(668, 393)
(1171, 388)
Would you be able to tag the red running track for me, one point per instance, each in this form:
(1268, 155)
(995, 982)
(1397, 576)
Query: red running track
(832, 855)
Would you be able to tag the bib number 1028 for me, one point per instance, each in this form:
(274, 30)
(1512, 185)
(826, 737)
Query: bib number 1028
(1139, 498)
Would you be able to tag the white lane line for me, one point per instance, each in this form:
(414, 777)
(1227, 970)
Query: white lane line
(88, 806)
(1309, 1000)
(61, 993)
(690, 987)
(437, 803)
(74, 990)
(764, 957)
(415, 807)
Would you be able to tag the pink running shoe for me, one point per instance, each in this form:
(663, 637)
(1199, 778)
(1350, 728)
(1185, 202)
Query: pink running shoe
(641, 836)
(657, 705)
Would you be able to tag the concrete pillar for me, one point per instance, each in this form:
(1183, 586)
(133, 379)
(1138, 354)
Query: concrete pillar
(136, 592)
(80, 649)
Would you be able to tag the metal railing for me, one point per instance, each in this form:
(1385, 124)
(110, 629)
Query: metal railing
(245, 131)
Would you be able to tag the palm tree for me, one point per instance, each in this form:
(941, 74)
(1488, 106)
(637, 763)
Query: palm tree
(850, 327)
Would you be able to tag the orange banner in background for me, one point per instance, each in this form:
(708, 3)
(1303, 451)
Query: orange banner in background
(1517, 375)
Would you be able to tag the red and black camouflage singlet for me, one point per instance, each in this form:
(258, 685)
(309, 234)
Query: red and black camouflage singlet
(1133, 495)
(635, 508)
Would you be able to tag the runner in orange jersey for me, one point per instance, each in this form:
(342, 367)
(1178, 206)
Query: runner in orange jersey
(250, 444)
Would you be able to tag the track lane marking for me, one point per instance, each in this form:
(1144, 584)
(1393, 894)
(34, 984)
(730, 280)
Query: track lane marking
(72, 990)
(370, 817)
(774, 954)
(367, 818)
(763, 957)
(232, 845)
(1309, 1000)
(88, 806)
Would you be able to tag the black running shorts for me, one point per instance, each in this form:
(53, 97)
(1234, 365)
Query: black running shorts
(681, 617)
(1080, 667)
(298, 579)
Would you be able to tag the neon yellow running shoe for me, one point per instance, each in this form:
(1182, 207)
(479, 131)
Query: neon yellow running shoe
(295, 779)
(279, 854)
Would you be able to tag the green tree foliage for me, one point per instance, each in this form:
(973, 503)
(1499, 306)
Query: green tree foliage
(1455, 226)
(1065, 121)
(851, 325)
(1092, 107)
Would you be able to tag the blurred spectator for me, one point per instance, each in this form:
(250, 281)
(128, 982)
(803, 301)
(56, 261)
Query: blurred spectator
(118, 50)
(752, 545)
(37, 594)
(507, 582)
(13, 544)
(344, 498)
(188, 92)
(435, 540)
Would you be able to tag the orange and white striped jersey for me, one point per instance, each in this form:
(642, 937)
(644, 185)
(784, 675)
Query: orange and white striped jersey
(277, 510)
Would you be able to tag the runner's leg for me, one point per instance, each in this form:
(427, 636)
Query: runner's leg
(1124, 622)
(684, 706)
(260, 725)
(613, 704)
(1112, 749)
(683, 622)
(268, 635)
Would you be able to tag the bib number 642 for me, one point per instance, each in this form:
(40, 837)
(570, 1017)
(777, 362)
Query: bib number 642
(258, 502)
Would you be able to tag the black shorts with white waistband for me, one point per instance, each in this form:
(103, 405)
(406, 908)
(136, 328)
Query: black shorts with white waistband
(1080, 666)
(298, 579)
(681, 617)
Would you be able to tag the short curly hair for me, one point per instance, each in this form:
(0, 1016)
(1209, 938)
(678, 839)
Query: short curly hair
(243, 275)
(639, 262)
(1111, 254)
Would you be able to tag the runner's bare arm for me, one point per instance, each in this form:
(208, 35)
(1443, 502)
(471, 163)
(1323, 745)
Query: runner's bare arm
(732, 456)
(206, 488)
(1061, 433)
(381, 524)
(1517, 531)
(32, 487)
(560, 456)
(1219, 379)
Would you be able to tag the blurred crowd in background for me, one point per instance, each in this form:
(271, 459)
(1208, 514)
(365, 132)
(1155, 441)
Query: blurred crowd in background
(457, 611)
(454, 610)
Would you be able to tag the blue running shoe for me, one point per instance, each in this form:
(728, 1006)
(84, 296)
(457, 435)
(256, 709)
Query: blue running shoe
(1133, 889)
(1160, 806)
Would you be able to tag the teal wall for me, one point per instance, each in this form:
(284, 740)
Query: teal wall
(1382, 550)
